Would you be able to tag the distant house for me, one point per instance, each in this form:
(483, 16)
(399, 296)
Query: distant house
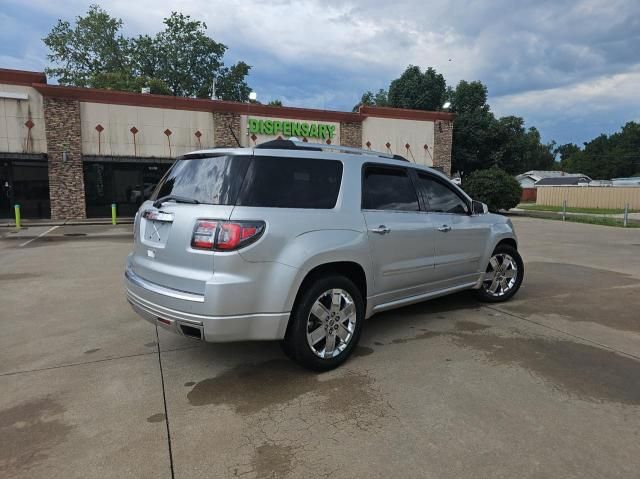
(564, 181)
(531, 179)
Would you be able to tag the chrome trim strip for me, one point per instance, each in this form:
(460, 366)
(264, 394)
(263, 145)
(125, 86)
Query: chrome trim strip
(420, 297)
(156, 288)
(158, 216)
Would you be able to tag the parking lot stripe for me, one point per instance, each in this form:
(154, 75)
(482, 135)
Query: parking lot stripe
(39, 236)
(164, 400)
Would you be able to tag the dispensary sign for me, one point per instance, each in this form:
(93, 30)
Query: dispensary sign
(288, 128)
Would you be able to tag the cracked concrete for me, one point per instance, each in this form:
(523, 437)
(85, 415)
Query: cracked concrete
(546, 385)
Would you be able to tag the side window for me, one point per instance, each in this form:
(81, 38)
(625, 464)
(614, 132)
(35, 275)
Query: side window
(291, 183)
(388, 189)
(440, 198)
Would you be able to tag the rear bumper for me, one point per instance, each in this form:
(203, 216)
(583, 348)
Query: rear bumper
(246, 327)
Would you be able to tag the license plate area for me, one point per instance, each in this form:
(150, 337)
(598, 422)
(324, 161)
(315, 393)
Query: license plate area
(156, 232)
(156, 227)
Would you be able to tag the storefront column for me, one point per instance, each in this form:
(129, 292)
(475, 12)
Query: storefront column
(351, 134)
(225, 125)
(442, 140)
(64, 151)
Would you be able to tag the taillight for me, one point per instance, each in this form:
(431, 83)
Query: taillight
(204, 235)
(225, 235)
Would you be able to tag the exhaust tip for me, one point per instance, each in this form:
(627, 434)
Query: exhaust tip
(191, 331)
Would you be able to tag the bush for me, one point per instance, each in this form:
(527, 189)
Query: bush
(495, 187)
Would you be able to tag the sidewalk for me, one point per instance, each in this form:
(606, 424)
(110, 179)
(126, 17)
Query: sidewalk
(66, 232)
(10, 223)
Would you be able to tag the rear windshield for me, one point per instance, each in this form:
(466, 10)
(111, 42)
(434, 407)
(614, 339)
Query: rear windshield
(291, 183)
(255, 181)
(214, 180)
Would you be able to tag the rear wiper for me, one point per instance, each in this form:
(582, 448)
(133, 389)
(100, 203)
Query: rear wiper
(178, 199)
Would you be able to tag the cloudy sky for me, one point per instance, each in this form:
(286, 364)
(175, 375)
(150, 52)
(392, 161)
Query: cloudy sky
(570, 68)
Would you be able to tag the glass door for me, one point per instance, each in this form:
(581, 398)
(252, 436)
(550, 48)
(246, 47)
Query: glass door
(5, 191)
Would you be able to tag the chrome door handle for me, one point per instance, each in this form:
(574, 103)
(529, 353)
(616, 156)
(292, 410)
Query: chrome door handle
(381, 230)
(444, 228)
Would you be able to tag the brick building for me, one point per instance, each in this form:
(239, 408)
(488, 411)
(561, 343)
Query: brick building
(69, 153)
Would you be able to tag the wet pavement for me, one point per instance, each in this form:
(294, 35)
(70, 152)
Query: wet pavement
(546, 385)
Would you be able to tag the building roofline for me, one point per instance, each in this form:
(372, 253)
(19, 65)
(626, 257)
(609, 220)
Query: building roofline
(96, 95)
(38, 80)
(21, 77)
(405, 114)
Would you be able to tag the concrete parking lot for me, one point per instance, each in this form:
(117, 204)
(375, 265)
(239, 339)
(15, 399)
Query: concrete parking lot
(547, 385)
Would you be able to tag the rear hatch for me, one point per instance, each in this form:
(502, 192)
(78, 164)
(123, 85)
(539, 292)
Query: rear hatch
(204, 187)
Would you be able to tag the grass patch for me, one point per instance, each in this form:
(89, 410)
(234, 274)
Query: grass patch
(558, 209)
(592, 220)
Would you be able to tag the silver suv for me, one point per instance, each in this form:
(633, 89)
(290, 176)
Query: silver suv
(301, 243)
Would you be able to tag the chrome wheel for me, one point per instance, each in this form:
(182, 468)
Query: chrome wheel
(501, 275)
(331, 323)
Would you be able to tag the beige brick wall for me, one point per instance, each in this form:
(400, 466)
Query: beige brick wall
(351, 134)
(223, 124)
(66, 181)
(442, 139)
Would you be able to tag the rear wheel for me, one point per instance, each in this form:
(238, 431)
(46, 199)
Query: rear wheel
(503, 275)
(326, 323)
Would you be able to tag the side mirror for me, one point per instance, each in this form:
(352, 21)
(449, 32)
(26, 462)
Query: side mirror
(479, 208)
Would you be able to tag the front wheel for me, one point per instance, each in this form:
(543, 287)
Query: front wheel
(503, 275)
(326, 323)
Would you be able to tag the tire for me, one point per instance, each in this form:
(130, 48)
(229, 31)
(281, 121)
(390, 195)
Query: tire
(510, 267)
(337, 319)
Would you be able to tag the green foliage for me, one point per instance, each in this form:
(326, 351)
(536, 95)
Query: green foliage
(124, 82)
(92, 46)
(493, 186)
(180, 60)
(275, 103)
(231, 84)
(418, 90)
(606, 157)
(373, 99)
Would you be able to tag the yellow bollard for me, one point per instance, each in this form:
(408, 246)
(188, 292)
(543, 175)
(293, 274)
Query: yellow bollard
(113, 213)
(17, 210)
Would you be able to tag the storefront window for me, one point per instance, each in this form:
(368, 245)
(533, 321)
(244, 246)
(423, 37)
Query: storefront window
(125, 184)
(25, 183)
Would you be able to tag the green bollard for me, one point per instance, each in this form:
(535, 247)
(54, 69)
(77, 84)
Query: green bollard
(17, 210)
(113, 213)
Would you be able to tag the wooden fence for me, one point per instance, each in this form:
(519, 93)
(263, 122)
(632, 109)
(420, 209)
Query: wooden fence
(589, 196)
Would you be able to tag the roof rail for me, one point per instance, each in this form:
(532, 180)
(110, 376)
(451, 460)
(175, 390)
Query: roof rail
(295, 144)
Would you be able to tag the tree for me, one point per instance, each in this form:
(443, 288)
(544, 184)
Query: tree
(187, 59)
(417, 90)
(93, 46)
(180, 60)
(373, 99)
(607, 157)
(125, 82)
(275, 103)
(493, 186)
(231, 83)
(564, 152)
(474, 127)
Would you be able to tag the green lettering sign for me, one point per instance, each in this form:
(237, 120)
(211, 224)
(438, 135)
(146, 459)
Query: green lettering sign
(289, 128)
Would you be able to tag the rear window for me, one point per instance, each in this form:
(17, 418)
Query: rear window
(291, 183)
(214, 180)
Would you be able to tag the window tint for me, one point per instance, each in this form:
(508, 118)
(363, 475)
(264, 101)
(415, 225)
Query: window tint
(440, 198)
(388, 189)
(215, 180)
(291, 183)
